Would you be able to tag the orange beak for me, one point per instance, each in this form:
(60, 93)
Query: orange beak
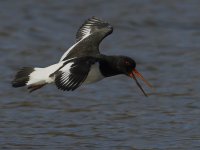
(132, 75)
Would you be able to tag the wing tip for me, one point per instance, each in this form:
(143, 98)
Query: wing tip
(92, 23)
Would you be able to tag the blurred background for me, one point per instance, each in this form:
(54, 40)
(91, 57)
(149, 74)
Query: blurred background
(162, 36)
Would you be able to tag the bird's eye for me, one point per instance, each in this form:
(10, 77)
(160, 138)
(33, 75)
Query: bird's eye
(127, 63)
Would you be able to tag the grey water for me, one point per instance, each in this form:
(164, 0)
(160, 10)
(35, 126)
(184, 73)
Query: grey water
(162, 36)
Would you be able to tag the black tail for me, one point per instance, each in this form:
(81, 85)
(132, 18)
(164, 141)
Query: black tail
(22, 76)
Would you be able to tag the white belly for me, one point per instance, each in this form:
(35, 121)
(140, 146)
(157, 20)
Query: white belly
(94, 74)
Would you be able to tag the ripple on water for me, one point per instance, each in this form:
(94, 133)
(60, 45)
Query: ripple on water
(162, 36)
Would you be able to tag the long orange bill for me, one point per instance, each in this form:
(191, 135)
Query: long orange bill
(138, 84)
(140, 76)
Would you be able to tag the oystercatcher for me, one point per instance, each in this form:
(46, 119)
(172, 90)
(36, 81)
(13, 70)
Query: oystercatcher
(82, 63)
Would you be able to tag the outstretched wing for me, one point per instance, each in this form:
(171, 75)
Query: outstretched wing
(88, 38)
(73, 73)
(92, 25)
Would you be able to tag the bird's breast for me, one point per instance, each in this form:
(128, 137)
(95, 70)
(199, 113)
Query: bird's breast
(94, 74)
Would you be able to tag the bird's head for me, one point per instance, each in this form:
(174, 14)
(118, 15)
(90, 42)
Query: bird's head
(128, 67)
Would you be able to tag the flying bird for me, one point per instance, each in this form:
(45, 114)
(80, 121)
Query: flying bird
(81, 64)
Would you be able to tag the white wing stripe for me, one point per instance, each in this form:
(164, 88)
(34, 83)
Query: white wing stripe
(84, 31)
(71, 48)
(66, 72)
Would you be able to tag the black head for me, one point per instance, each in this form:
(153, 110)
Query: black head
(128, 67)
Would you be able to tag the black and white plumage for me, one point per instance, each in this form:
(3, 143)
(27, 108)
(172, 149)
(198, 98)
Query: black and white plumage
(81, 64)
(74, 73)
(88, 38)
(93, 26)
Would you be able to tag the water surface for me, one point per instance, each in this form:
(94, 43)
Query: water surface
(162, 36)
